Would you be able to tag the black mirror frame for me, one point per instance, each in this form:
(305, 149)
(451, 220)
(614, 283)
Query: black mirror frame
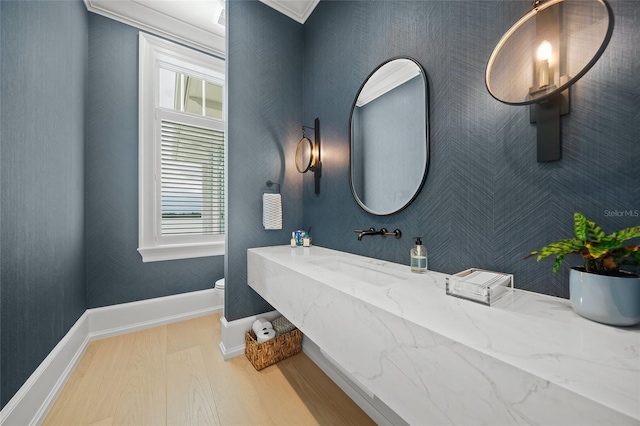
(427, 137)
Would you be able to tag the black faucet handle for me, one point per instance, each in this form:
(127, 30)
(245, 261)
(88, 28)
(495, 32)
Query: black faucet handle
(396, 233)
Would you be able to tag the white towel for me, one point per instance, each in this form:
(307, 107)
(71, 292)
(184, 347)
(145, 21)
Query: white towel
(271, 211)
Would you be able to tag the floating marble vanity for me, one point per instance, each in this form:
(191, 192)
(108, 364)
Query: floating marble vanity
(436, 359)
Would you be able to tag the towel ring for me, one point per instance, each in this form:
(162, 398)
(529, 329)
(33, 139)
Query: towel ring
(270, 184)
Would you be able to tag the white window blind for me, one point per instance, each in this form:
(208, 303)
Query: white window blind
(192, 180)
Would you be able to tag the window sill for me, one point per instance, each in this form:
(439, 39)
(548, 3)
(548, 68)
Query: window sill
(181, 251)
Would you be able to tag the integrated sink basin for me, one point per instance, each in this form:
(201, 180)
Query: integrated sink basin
(361, 271)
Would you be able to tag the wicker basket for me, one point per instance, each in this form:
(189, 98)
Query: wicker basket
(264, 354)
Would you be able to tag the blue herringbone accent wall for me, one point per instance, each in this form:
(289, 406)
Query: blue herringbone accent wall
(486, 202)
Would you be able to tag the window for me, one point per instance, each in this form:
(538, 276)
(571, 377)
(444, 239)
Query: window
(181, 152)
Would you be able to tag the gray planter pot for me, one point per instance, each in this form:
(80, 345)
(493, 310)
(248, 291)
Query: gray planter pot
(605, 299)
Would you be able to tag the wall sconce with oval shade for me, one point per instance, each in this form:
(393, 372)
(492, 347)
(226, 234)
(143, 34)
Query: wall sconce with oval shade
(542, 55)
(308, 154)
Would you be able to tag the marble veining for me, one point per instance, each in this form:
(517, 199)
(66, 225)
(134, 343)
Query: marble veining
(436, 359)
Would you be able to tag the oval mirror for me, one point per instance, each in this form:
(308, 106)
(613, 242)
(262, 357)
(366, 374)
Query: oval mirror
(389, 126)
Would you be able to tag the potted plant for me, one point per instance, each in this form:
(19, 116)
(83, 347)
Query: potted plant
(600, 291)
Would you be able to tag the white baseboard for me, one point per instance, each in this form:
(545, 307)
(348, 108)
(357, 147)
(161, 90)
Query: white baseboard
(376, 409)
(127, 317)
(232, 333)
(32, 402)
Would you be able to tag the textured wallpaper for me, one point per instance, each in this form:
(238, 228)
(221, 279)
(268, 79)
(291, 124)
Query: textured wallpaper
(42, 282)
(487, 202)
(115, 271)
(264, 76)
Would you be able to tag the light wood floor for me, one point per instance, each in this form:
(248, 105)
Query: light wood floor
(175, 374)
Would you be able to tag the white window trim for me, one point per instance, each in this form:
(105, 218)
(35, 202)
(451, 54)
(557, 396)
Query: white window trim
(152, 52)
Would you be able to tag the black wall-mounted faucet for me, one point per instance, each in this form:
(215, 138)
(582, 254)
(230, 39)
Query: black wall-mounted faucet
(383, 231)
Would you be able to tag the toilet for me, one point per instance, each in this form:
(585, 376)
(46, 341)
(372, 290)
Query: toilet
(219, 292)
(220, 286)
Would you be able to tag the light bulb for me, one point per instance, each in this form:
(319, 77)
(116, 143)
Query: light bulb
(544, 51)
(544, 55)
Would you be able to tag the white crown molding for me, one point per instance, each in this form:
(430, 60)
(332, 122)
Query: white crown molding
(151, 20)
(30, 405)
(298, 10)
(387, 78)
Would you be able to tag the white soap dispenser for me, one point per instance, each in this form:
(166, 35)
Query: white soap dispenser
(419, 257)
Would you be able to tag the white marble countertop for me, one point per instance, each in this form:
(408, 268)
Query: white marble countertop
(532, 332)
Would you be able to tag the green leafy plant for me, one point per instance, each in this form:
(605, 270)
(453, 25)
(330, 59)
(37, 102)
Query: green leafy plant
(602, 254)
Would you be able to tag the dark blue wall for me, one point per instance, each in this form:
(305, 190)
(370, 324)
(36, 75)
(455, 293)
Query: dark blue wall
(42, 281)
(69, 177)
(115, 271)
(264, 77)
(486, 202)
